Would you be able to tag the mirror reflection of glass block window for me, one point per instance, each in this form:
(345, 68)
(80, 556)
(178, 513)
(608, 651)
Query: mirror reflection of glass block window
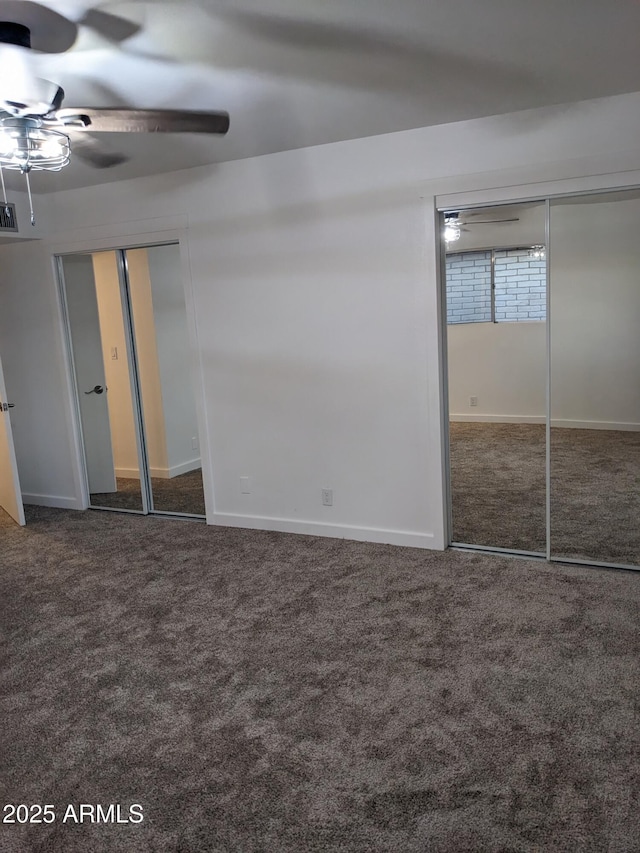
(520, 286)
(469, 287)
(519, 290)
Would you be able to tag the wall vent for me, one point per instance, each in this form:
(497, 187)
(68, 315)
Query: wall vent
(8, 217)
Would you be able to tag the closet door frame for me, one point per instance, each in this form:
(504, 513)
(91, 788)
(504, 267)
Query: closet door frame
(547, 192)
(145, 234)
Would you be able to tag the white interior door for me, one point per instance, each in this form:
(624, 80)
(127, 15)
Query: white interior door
(84, 323)
(10, 494)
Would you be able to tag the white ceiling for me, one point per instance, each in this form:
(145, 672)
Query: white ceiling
(294, 73)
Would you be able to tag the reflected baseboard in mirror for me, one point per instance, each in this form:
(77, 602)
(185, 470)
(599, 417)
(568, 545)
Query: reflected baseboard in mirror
(181, 494)
(498, 485)
(595, 495)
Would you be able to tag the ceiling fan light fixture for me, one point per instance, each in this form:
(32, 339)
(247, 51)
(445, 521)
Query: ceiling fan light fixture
(26, 146)
(451, 231)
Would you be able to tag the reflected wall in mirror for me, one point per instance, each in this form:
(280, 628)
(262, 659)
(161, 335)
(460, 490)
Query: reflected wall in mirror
(495, 291)
(164, 361)
(169, 467)
(595, 387)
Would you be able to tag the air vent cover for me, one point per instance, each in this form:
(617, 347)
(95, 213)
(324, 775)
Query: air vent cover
(8, 217)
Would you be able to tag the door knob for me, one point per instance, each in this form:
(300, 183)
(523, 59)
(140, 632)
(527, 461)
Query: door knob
(4, 407)
(97, 389)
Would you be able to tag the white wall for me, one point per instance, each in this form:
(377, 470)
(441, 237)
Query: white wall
(167, 314)
(147, 355)
(315, 304)
(26, 231)
(116, 372)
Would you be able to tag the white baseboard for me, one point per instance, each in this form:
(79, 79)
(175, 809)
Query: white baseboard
(540, 419)
(176, 470)
(499, 419)
(335, 531)
(162, 473)
(128, 473)
(51, 500)
(623, 427)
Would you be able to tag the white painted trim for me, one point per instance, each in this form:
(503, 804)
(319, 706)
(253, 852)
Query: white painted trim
(406, 538)
(199, 386)
(431, 308)
(126, 235)
(499, 419)
(162, 473)
(118, 235)
(622, 427)
(611, 171)
(541, 419)
(52, 500)
(128, 473)
(558, 179)
(184, 467)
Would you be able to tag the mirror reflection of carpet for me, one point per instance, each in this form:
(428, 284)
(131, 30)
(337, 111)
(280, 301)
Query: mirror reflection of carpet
(182, 494)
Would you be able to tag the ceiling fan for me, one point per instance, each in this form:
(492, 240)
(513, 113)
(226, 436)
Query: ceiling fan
(36, 131)
(454, 224)
(471, 219)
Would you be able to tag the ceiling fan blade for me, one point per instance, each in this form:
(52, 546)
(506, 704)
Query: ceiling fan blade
(117, 120)
(93, 152)
(112, 27)
(489, 221)
(305, 49)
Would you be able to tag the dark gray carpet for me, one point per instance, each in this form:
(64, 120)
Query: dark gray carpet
(266, 692)
(499, 490)
(183, 494)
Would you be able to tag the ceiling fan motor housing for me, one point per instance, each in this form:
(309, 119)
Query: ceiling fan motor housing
(12, 33)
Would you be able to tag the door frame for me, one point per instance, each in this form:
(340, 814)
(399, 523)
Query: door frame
(14, 476)
(137, 235)
(546, 192)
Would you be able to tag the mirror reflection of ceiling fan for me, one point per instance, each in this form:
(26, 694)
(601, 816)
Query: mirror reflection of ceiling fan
(469, 218)
(455, 223)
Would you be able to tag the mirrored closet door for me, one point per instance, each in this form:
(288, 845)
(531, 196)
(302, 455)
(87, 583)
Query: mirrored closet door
(543, 377)
(131, 364)
(595, 378)
(495, 294)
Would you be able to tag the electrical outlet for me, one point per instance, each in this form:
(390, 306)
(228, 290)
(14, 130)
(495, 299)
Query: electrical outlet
(244, 486)
(473, 401)
(327, 497)
(194, 442)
